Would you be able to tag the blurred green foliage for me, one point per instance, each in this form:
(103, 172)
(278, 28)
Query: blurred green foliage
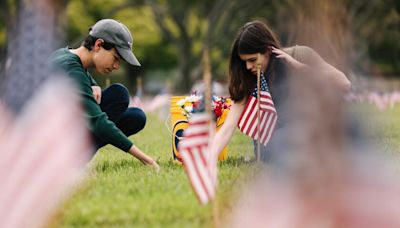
(170, 35)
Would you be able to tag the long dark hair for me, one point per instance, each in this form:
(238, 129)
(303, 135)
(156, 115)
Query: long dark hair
(253, 37)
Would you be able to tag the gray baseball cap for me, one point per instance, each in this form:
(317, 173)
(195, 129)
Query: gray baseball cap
(115, 32)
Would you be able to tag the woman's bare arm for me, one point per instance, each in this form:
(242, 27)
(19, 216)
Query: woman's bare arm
(314, 63)
(224, 134)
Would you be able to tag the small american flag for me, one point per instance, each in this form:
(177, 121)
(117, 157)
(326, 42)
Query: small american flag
(44, 143)
(41, 153)
(248, 122)
(199, 165)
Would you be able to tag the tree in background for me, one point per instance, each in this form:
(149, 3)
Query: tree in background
(10, 27)
(376, 29)
(169, 35)
(193, 26)
(354, 35)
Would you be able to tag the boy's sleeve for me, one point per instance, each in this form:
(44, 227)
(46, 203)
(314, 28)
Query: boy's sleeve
(99, 124)
(92, 81)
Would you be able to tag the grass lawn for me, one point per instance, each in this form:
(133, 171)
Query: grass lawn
(120, 192)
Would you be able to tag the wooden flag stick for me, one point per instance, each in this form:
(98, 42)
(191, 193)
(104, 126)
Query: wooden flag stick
(207, 80)
(215, 213)
(207, 97)
(258, 106)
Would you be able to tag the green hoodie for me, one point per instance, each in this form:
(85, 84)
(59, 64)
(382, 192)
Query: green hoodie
(99, 124)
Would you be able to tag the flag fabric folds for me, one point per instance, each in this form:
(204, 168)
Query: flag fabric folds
(249, 123)
(41, 153)
(44, 142)
(200, 167)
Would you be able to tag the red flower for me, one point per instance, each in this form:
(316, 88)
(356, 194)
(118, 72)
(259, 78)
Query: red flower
(195, 104)
(218, 111)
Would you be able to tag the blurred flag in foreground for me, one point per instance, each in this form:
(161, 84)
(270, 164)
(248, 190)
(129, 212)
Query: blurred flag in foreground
(365, 196)
(249, 123)
(199, 166)
(41, 152)
(323, 172)
(43, 138)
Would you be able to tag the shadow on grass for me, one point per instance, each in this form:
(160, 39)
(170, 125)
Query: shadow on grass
(230, 162)
(115, 164)
(236, 162)
(105, 166)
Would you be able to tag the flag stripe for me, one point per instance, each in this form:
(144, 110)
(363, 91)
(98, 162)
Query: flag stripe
(30, 154)
(35, 164)
(48, 146)
(196, 160)
(266, 122)
(199, 177)
(271, 129)
(49, 173)
(249, 123)
(249, 118)
(202, 168)
(193, 176)
(244, 118)
(253, 124)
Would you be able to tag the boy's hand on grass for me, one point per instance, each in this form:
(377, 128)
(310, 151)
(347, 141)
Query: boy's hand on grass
(155, 166)
(144, 158)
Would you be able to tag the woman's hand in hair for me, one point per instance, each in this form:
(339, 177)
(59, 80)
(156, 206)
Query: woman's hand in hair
(288, 59)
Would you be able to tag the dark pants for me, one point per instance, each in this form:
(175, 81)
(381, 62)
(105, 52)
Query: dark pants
(276, 148)
(115, 102)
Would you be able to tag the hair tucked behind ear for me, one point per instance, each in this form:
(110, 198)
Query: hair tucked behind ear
(254, 37)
